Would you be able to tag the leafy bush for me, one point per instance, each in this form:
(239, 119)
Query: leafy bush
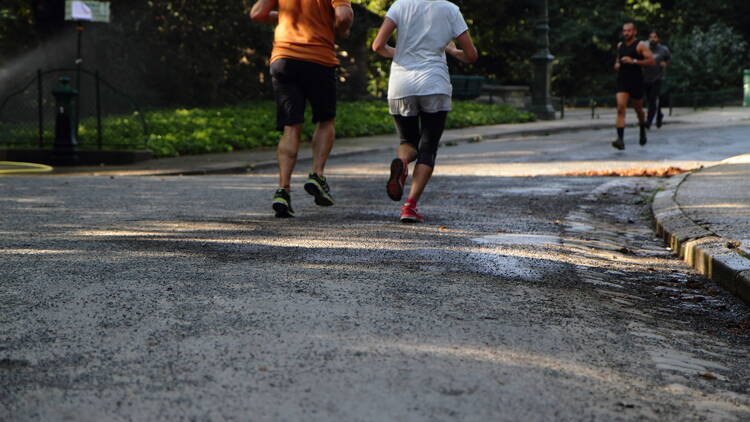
(253, 125)
(708, 60)
(181, 131)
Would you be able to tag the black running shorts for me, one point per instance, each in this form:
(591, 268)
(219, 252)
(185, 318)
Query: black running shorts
(295, 82)
(633, 86)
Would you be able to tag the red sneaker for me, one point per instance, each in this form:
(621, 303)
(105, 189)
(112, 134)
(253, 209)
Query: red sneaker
(395, 186)
(409, 214)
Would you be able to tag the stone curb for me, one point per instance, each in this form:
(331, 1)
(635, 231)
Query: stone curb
(250, 167)
(711, 255)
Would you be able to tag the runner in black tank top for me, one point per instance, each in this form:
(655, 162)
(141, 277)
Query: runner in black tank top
(632, 56)
(630, 76)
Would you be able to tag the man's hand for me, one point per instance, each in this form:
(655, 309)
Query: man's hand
(263, 12)
(344, 20)
(627, 60)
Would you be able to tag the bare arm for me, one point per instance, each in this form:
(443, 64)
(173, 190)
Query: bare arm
(380, 44)
(263, 12)
(617, 60)
(643, 50)
(344, 20)
(648, 55)
(467, 53)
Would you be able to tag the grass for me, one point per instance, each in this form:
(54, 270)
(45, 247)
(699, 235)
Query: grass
(174, 132)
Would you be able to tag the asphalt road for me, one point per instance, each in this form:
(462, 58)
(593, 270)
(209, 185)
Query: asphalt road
(525, 296)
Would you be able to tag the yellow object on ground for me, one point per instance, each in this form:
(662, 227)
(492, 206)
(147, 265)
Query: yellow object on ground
(12, 167)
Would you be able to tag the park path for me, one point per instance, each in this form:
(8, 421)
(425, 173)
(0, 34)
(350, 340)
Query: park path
(526, 296)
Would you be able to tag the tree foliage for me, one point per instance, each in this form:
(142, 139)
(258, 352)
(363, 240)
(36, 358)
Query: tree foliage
(209, 52)
(706, 60)
(16, 27)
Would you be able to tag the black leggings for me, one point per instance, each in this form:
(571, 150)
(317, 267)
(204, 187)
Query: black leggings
(655, 100)
(423, 132)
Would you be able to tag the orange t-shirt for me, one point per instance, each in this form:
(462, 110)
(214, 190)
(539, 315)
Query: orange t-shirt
(306, 31)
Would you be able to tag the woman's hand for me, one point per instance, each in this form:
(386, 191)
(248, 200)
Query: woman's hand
(467, 53)
(451, 48)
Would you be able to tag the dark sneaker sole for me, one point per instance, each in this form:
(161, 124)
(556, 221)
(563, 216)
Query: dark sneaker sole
(321, 199)
(393, 187)
(411, 220)
(282, 210)
(618, 145)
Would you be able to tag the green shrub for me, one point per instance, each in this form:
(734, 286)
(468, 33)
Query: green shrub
(708, 60)
(253, 125)
(177, 132)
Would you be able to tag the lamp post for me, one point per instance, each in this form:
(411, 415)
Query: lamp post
(541, 103)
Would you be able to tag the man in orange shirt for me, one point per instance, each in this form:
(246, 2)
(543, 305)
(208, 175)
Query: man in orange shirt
(303, 64)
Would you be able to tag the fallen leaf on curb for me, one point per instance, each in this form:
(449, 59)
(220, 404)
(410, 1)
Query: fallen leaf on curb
(263, 369)
(442, 228)
(632, 172)
(707, 375)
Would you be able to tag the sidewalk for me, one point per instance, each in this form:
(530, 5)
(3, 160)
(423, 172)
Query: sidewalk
(705, 217)
(244, 161)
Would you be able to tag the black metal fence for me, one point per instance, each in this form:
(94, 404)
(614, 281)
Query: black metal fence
(695, 100)
(106, 117)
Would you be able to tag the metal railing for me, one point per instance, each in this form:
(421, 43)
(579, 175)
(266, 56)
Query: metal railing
(106, 118)
(694, 100)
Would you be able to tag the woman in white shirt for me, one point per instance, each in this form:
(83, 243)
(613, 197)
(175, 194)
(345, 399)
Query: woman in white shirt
(419, 88)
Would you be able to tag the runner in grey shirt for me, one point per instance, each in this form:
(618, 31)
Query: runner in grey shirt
(654, 79)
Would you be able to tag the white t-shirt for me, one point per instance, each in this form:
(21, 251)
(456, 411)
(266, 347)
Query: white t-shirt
(424, 27)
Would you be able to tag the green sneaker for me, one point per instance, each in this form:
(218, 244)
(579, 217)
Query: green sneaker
(282, 204)
(318, 187)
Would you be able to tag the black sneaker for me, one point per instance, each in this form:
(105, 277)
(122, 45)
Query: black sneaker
(643, 139)
(659, 120)
(619, 144)
(318, 187)
(282, 204)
